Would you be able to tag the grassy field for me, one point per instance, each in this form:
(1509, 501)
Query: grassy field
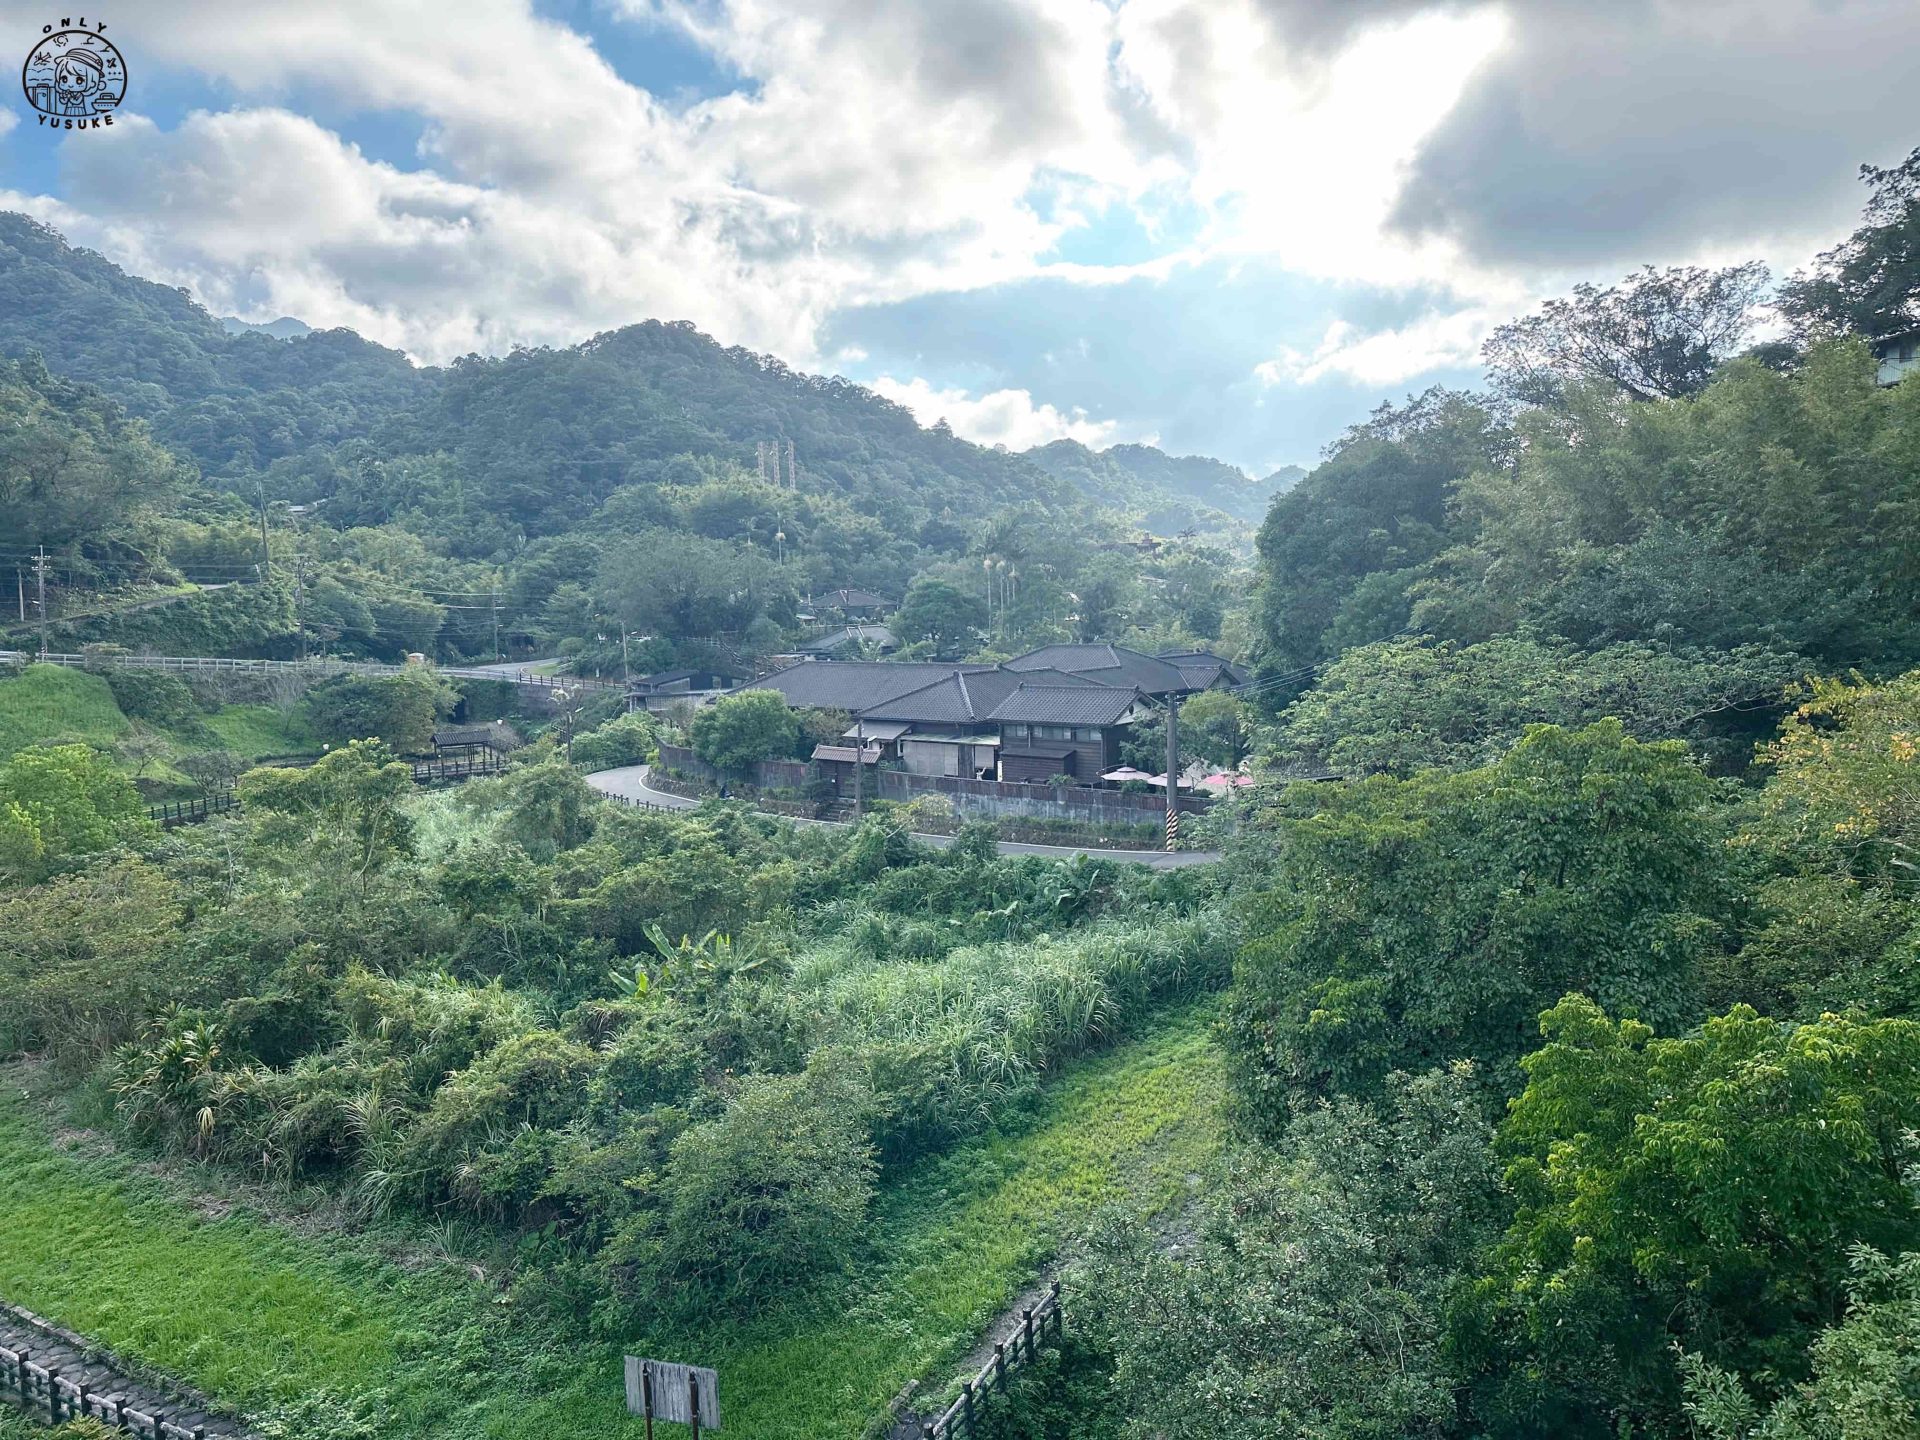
(46, 702)
(264, 1316)
(256, 730)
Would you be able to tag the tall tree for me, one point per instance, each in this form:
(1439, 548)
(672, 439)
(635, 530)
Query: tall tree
(1869, 284)
(1658, 334)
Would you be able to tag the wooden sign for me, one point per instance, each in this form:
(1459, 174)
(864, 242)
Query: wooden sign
(662, 1391)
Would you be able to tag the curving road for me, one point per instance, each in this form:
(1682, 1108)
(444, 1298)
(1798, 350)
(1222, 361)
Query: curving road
(630, 782)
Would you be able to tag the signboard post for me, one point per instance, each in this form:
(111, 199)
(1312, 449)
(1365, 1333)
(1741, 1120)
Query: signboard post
(659, 1390)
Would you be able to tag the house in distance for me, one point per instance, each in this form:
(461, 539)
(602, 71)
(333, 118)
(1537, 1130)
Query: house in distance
(1059, 711)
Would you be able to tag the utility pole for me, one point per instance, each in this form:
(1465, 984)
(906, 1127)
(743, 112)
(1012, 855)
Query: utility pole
(266, 551)
(40, 581)
(20, 583)
(300, 600)
(626, 679)
(859, 762)
(493, 597)
(1173, 770)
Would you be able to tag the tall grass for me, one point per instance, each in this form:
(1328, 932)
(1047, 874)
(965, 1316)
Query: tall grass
(45, 703)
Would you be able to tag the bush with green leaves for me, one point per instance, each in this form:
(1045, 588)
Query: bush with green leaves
(774, 1189)
(738, 730)
(1702, 1192)
(1404, 924)
(630, 739)
(59, 803)
(1312, 1300)
(400, 710)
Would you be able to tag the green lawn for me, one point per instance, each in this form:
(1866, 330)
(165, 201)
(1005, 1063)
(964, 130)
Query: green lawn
(258, 1314)
(51, 702)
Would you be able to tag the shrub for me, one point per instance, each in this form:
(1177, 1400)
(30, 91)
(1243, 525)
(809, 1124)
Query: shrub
(775, 1189)
(152, 695)
(737, 730)
(630, 739)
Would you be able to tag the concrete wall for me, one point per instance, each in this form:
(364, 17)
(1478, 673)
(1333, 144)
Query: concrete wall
(988, 798)
(973, 798)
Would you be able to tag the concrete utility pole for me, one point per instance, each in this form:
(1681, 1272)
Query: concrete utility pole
(493, 597)
(40, 581)
(859, 762)
(300, 600)
(20, 583)
(1173, 770)
(266, 551)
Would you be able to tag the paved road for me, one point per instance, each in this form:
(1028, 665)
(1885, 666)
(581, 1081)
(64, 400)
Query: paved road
(631, 782)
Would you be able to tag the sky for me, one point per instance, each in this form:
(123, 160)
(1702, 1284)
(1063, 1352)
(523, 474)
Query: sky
(1226, 227)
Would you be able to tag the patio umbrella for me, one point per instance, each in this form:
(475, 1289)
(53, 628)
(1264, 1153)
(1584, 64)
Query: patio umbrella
(1126, 772)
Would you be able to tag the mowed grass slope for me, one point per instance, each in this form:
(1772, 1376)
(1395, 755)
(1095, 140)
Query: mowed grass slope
(258, 1315)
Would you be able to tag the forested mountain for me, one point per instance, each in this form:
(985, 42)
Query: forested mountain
(648, 479)
(1169, 493)
(231, 402)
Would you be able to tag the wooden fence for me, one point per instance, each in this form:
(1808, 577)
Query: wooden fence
(175, 813)
(1017, 1349)
(39, 1388)
(635, 802)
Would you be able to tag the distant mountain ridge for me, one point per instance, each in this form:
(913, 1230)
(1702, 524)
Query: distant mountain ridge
(1168, 492)
(285, 328)
(542, 436)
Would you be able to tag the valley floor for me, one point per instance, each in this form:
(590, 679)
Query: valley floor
(342, 1339)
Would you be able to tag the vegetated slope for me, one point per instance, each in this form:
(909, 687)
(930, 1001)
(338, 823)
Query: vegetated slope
(318, 1330)
(47, 704)
(232, 402)
(1165, 493)
(541, 436)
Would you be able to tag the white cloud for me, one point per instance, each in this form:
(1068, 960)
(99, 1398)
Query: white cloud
(1002, 417)
(874, 151)
(1438, 341)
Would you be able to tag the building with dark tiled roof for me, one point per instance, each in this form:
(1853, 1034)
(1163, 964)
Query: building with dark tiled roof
(1060, 710)
(1204, 670)
(851, 638)
(1109, 665)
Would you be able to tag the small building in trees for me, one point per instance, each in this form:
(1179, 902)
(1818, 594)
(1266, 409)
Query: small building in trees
(1899, 356)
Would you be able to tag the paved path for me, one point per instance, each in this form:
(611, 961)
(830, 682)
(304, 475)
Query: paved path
(108, 1391)
(630, 783)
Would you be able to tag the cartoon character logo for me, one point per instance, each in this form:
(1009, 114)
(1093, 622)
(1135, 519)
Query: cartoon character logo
(75, 78)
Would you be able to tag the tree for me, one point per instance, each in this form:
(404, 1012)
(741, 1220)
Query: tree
(59, 802)
(214, 770)
(1868, 285)
(1312, 1299)
(1339, 550)
(349, 808)
(737, 730)
(1215, 726)
(949, 619)
(1866, 1370)
(143, 749)
(1701, 1192)
(399, 710)
(1410, 923)
(1658, 334)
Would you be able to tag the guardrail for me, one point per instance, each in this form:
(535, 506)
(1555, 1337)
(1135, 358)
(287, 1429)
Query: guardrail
(314, 667)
